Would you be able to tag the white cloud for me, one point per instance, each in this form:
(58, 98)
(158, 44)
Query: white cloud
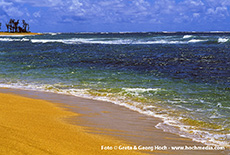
(225, 2)
(9, 9)
(39, 3)
(196, 3)
(219, 11)
(13, 12)
(75, 5)
(37, 14)
(196, 15)
(3, 3)
(118, 11)
(165, 6)
(141, 4)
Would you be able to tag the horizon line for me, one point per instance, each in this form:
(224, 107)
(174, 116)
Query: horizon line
(166, 32)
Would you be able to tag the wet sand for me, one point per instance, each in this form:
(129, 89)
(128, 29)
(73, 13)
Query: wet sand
(30, 126)
(94, 123)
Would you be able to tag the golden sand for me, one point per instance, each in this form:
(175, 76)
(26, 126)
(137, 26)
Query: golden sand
(31, 126)
(15, 33)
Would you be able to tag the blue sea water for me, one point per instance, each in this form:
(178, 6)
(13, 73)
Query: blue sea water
(182, 78)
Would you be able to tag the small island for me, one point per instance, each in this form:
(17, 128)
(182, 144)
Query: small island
(15, 28)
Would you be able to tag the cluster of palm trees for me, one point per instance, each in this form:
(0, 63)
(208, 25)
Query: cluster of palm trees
(13, 26)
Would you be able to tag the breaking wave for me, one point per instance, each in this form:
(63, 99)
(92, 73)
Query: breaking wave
(115, 41)
(170, 124)
(187, 36)
(184, 81)
(186, 39)
(223, 40)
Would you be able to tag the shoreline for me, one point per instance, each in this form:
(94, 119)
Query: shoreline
(107, 119)
(18, 34)
(33, 126)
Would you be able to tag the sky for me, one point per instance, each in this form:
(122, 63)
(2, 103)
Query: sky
(118, 15)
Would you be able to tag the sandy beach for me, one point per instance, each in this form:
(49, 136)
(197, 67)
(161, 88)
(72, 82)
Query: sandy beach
(86, 77)
(30, 126)
(18, 34)
(48, 123)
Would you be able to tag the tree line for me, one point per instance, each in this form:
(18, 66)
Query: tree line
(13, 26)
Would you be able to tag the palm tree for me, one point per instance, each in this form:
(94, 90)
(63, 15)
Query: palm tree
(20, 29)
(13, 26)
(11, 23)
(8, 27)
(24, 25)
(16, 25)
(28, 29)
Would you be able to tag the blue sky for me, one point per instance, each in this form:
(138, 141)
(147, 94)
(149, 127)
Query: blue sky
(118, 15)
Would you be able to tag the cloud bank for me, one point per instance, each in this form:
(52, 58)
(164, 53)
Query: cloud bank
(119, 15)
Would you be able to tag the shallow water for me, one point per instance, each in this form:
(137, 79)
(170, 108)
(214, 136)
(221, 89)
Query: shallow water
(182, 78)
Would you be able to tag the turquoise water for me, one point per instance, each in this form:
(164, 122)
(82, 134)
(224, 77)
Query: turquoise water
(182, 78)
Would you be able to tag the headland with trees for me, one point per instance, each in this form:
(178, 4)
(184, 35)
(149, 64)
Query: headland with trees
(17, 27)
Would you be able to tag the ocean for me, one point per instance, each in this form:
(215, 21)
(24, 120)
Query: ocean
(182, 78)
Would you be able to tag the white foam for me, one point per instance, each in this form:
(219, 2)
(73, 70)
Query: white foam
(141, 89)
(170, 124)
(83, 40)
(53, 34)
(9, 39)
(196, 135)
(222, 40)
(161, 42)
(46, 40)
(25, 39)
(196, 41)
(115, 41)
(187, 36)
